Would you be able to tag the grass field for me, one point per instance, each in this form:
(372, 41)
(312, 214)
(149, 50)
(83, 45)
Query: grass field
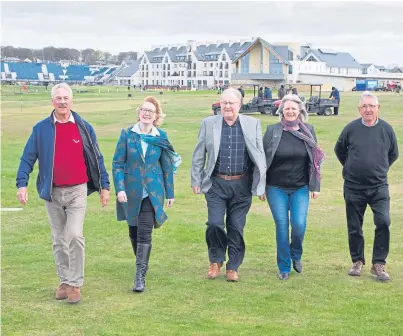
(179, 300)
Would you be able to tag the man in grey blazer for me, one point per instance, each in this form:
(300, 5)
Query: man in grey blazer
(228, 166)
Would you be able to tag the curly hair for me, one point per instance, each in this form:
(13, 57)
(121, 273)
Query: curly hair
(158, 110)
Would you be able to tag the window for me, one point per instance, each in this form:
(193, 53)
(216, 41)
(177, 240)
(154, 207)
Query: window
(226, 74)
(224, 58)
(204, 73)
(194, 73)
(220, 73)
(211, 65)
(182, 73)
(311, 59)
(189, 73)
(194, 66)
(205, 65)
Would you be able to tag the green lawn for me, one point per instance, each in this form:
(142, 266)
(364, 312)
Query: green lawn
(179, 300)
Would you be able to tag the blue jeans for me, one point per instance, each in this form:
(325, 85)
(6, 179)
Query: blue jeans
(281, 203)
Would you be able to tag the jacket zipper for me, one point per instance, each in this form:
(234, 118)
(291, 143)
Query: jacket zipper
(53, 161)
(96, 157)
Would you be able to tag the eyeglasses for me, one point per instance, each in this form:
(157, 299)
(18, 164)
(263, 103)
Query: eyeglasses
(364, 107)
(228, 103)
(147, 111)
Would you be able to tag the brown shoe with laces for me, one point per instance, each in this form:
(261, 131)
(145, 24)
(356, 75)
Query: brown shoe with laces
(62, 291)
(214, 270)
(356, 269)
(379, 271)
(232, 276)
(74, 295)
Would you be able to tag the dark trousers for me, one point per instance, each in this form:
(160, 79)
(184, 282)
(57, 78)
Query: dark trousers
(234, 199)
(336, 110)
(143, 231)
(356, 203)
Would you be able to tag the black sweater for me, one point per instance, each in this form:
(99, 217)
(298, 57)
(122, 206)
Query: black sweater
(290, 166)
(366, 153)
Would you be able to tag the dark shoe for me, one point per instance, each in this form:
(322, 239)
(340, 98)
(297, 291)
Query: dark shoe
(214, 270)
(379, 271)
(297, 266)
(62, 291)
(134, 245)
(356, 269)
(142, 258)
(283, 276)
(232, 276)
(74, 295)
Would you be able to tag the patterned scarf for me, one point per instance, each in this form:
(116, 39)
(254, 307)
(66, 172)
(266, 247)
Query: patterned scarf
(175, 158)
(307, 137)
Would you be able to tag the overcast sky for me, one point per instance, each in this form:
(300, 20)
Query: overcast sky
(371, 31)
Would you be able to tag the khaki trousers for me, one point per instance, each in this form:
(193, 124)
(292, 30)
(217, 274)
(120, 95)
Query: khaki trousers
(66, 216)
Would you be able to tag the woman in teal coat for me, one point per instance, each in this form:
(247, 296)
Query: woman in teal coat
(143, 172)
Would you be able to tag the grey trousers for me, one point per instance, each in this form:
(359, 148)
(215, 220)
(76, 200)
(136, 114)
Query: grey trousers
(66, 216)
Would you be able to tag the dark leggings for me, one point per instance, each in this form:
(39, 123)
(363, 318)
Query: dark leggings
(145, 223)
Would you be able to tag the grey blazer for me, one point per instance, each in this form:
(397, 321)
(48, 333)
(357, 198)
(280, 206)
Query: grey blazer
(271, 140)
(209, 143)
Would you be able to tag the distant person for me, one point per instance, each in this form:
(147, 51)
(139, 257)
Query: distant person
(128, 88)
(294, 91)
(335, 95)
(366, 148)
(398, 89)
(260, 96)
(71, 167)
(281, 92)
(240, 89)
(267, 93)
(143, 173)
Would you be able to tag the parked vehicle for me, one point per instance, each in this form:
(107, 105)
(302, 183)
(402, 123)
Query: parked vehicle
(315, 104)
(250, 107)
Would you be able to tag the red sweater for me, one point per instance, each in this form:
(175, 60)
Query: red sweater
(69, 164)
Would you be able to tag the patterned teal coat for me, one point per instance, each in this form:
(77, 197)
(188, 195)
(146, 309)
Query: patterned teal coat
(132, 170)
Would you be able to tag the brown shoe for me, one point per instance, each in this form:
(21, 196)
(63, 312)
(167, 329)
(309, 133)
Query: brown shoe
(74, 295)
(356, 269)
(62, 291)
(379, 271)
(214, 270)
(232, 276)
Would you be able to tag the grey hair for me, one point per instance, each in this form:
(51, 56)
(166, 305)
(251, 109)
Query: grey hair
(234, 91)
(369, 94)
(301, 106)
(61, 86)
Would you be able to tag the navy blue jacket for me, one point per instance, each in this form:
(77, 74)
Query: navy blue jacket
(41, 146)
(335, 94)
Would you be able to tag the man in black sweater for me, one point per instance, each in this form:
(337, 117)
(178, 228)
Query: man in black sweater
(366, 148)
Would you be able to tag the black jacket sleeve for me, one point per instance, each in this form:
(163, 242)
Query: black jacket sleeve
(393, 153)
(341, 148)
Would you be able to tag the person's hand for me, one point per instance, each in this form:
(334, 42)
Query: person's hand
(104, 197)
(315, 194)
(170, 202)
(262, 197)
(22, 195)
(122, 198)
(196, 190)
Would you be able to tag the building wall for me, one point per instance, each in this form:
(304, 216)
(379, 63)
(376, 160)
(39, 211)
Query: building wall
(342, 83)
(266, 60)
(254, 60)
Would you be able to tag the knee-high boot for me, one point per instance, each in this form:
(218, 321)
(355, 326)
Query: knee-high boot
(142, 258)
(134, 245)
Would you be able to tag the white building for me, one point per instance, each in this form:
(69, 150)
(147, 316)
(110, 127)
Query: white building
(192, 65)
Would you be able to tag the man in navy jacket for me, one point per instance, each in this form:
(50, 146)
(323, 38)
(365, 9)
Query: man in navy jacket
(71, 167)
(335, 94)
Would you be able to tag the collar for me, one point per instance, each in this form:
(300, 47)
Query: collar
(136, 129)
(71, 119)
(362, 120)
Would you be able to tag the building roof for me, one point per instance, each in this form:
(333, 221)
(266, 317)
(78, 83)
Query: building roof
(366, 65)
(131, 69)
(268, 46)
(331, 58)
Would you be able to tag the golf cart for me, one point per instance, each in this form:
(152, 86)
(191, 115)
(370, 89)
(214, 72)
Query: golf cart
(251, 106)
(315, 104)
